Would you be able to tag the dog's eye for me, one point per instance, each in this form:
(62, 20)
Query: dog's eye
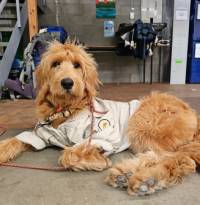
(76, 65)
(55, 64)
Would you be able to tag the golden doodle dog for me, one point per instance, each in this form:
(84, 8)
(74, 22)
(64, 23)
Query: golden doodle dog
(160, 129)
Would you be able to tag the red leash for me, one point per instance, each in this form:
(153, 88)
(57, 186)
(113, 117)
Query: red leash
(92, 110)
(22, 166)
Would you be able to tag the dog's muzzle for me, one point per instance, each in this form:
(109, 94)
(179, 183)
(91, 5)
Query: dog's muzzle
(67, 83)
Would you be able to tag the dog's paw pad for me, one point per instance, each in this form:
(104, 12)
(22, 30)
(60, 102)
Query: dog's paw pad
(121, 178)
(150, 182)
(118, 178)
(129, 174)
(143, 190)
(146, 187)
(121, 181)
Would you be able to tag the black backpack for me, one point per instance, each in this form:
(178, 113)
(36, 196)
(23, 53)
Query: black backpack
(135, 39)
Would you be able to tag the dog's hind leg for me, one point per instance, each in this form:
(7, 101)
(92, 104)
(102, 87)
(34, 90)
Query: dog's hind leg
(169, 171)
(10, 149)
(150, 175)
(78, 158)
(119, 175)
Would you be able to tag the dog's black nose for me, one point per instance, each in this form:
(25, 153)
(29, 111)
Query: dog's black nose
(67, 83)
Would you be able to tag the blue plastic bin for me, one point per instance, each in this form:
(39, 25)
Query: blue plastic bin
(58, 29)
(193, 75)
(195, 23)
(193, 70)
(58, 32)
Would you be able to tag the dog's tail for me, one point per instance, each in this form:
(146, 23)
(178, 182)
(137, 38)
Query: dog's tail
(192, 149)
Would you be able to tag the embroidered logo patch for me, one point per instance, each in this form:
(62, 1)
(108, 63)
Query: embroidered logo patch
(103, 124)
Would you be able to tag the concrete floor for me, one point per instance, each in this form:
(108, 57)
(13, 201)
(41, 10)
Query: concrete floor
(31, 187)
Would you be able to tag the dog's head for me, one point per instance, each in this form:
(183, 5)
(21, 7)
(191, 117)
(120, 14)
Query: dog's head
(66, 74)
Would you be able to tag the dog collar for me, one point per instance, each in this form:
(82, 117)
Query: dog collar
(59, 114)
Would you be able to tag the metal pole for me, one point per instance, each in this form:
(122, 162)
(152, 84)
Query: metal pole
(159, 65)
(144, 70)
(151, 70)
(18, 14)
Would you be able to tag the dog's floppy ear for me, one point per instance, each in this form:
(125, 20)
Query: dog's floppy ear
(92, 81)
(41, 73)
(42, 86)
(42, 109)
(39, 77)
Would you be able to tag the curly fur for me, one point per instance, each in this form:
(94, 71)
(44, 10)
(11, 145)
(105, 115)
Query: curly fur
(163, 132)
(51, 94)
(163, 123)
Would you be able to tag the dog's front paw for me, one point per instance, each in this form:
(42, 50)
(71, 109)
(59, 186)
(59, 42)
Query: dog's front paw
(79, 159)
(10, 148)
(69, 158)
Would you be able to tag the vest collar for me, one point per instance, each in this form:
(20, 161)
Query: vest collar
(96, 106)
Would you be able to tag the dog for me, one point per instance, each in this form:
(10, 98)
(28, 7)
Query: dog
(162, 130)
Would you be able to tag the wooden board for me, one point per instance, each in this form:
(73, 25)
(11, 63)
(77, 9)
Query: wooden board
(32, 18)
